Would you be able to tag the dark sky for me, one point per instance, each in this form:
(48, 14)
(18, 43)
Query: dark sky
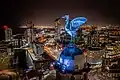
(43, 12)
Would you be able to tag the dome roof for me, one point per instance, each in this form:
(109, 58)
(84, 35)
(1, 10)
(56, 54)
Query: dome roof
(71, 50)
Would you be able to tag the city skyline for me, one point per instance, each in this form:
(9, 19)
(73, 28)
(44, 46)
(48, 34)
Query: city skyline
(41, 12)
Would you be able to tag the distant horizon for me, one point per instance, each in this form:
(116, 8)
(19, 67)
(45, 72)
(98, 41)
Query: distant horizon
(43, 12)
(92, 16)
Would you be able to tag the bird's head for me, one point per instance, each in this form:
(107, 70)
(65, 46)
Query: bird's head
(65, 17)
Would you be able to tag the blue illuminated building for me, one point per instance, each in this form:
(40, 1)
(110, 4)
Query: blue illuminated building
(65, 63)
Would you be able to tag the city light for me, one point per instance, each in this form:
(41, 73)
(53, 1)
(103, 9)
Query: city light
(5, 27)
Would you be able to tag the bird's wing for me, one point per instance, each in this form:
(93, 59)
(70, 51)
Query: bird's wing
(76, 23)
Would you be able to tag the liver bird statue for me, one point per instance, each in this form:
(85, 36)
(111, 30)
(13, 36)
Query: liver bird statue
(65, 63)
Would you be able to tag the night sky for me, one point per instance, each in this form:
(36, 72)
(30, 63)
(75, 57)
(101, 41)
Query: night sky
(43, 12)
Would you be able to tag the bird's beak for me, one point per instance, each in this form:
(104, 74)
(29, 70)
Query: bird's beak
(63, 17)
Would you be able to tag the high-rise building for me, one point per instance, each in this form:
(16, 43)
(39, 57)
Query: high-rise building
(8, 34)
